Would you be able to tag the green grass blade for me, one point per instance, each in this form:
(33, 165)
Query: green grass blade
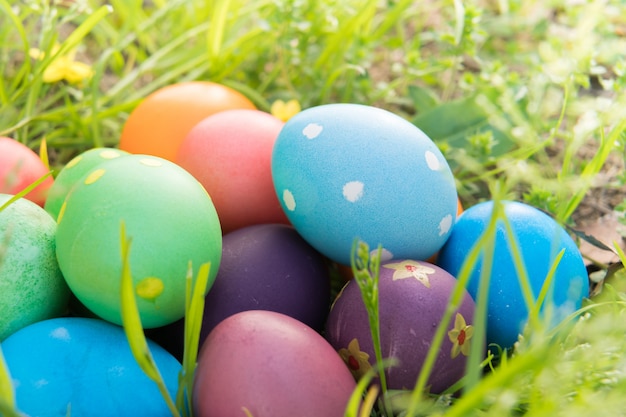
(518, 263)
(83, 30)
(17, 22)
(8, 411)
(215, 35)
(359, 398)
(607, 145)
(132, 324)
(545, 288)
(7, 395)
(366, 270)
(25, 191)
(193, 326)
(459, 24)
(620, 253)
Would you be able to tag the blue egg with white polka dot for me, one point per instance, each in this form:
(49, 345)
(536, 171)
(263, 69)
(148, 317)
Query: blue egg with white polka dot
(347, 171)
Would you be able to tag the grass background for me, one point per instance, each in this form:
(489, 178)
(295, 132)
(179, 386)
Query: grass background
(525, 98)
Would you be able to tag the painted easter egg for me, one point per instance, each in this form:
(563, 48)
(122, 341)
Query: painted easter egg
(269, 267)
(158, 125)
(413, 297)
(32, 287)
(20, 166)
(170, 219)
(263, 267)
(539, 240)
(347, 171)
(84, 367)
(71, 173)
(267, 364)
(230, 154)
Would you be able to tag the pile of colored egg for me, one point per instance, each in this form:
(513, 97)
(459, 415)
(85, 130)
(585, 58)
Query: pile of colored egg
(271, 206)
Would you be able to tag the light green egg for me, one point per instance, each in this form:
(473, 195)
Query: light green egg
(72, 173)
(170, 219)
(32, 287)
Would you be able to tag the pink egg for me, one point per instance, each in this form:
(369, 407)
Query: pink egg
(269, 365)
(230, 154)
(20, 166)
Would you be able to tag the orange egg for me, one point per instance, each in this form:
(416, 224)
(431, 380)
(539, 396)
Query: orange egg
(20, 166)
(158, 125)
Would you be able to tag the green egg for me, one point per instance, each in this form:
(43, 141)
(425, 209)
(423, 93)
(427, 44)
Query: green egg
(32, 287)
(73, 171)
(170, 220)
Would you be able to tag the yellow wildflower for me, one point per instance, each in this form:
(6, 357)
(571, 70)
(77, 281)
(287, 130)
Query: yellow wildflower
(285, 111)
(63, 67)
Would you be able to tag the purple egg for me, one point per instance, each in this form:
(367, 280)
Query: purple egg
(263, 267)
(413, 297)
(269, 267)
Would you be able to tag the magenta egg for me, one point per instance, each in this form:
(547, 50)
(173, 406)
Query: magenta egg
(267, 364)
(413, 298)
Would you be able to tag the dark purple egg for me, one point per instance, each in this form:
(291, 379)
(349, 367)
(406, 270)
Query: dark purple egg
(269, 267)
(413, 297)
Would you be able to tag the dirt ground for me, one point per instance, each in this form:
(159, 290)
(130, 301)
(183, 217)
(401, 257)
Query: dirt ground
(596, 216)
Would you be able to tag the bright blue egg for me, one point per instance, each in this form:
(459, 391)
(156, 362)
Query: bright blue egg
(84, 367)
(540, 239)
(346, 171)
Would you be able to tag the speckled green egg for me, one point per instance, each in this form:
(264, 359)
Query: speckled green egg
(72, 173)
(32, 287)
(170, 219)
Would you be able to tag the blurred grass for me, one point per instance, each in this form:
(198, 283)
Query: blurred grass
(513, 92)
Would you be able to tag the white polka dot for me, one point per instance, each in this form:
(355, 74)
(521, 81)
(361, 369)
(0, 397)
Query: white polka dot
(60, 333)
(432, 160)
(289, 201)
(149, 162)
(445, 224)
(353, 191)
(312, 130)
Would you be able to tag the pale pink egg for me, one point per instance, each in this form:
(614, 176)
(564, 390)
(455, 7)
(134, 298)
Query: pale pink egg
(230, 154)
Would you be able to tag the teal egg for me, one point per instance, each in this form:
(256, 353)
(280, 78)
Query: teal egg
(345, 171)
(170, 219)
(72, 172)
(32, 287)
(544, 248)
(76, 366)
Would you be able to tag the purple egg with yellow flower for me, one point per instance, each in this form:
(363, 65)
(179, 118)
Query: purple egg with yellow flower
(413, 297)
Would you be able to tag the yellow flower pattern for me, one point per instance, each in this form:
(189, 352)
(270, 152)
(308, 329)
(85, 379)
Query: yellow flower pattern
(411, 269)
(460, 336)
(357, 361)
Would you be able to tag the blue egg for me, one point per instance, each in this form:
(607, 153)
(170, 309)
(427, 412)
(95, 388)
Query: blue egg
(346, 171)
(540, 239)
(81, 366)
